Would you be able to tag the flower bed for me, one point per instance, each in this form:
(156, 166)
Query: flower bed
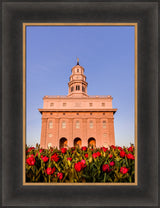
(74, 165)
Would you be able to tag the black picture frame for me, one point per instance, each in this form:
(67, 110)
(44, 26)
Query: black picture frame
(145, 194)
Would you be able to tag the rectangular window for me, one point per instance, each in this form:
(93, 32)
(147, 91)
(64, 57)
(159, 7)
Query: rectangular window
(50, 124)
(63, 124)
(77, 87)
(51, 104)
(77, 125)
(91, 124)
(104, 124)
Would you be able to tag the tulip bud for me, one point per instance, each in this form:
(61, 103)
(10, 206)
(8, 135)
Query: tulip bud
(90, 159)
(104, 154)
(69, 163)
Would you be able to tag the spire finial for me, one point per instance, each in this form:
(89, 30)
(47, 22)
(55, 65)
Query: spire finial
(77, 61)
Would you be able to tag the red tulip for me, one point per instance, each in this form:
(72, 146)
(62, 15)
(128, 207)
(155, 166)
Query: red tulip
(124, 170)
(63, 150)
(83, 164)
(55, 157)
(130, 156)
(69, 158)
(86, 155)
(112, 163)
(104, 149)
(84, 148)
(130, 149)
(60, 176)
(78, 166)
(30, 160)
(50, 171)
(105, 167)
(122, 153)
(113, 147)
(45, 159)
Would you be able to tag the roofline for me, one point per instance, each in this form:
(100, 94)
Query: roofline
(88, 97)
(78, 110)
(78, 66)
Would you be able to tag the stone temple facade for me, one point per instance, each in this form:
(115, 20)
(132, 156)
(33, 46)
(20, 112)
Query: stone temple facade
(77, 119)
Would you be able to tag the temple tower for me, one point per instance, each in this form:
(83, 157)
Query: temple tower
(77, 84)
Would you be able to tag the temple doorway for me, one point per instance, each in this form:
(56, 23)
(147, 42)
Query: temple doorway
(77, 142)
(63, 142)
(91, 142)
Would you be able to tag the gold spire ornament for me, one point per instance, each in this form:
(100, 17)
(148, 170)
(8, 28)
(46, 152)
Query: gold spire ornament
(77, 61)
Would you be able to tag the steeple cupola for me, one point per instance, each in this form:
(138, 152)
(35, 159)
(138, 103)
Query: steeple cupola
(77, 82)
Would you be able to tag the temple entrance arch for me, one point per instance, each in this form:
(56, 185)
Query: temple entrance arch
(77, 142)
(63, 142)
(92, 142)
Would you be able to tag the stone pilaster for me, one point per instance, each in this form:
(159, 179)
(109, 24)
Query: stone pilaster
(111, 131)
(43, 133)
(84, 130)
(98, 133)
(56, 142)
(70, 132)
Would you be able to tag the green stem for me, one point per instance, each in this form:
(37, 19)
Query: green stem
(104, 177)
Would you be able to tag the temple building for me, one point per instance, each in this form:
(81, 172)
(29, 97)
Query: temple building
(77, 119)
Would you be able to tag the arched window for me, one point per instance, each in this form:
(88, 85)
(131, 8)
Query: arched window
(50, 124)
(77, 124)
(104, 124)
(77, 87)
(63, 124)
(77, 70)
(91, 124)
(83, 89)
(72, 88)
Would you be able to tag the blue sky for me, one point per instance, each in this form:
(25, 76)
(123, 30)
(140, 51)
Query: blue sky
(106, 53)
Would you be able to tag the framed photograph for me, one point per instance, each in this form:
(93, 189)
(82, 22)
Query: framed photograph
(69, 74)
(76, 139)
